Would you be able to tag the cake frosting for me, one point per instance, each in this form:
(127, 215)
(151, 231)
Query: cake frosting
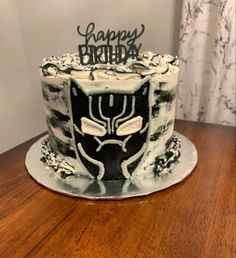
(110, 121)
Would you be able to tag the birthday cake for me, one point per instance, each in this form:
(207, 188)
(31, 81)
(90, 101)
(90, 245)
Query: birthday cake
(110, 110)
(110, 121)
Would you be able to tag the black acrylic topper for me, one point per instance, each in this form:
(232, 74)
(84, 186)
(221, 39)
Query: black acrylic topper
(107, 52)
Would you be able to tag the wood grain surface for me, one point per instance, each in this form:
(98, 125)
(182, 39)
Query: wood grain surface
(195, 218)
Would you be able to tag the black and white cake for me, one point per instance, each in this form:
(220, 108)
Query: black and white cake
(110, 121)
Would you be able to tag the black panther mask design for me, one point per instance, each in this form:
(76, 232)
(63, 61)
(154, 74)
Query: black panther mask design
(110, 129)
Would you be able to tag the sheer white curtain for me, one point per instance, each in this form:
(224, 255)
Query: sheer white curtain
(207, 61)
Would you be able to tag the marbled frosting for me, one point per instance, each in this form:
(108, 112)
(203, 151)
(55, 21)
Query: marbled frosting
(57, 74)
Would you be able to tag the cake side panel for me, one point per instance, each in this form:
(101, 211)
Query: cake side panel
(57, 115)
(163, 105)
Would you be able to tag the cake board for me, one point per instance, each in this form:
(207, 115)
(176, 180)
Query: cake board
(84, 187)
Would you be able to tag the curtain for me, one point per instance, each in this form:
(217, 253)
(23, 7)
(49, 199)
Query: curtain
(206, 90)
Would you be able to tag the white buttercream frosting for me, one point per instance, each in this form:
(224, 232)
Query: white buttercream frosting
(160, 70)
(147, 63)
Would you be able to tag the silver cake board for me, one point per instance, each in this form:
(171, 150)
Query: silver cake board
(84, 187)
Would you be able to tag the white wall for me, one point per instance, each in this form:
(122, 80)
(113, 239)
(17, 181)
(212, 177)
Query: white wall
(31, 30)
(18, 111)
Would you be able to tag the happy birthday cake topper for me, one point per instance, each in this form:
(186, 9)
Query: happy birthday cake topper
(115, 47)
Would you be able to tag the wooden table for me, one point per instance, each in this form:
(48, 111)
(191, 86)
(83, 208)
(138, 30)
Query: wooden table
(195, 218)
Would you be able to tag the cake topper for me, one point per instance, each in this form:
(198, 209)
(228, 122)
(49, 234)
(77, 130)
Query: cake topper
(116, 47)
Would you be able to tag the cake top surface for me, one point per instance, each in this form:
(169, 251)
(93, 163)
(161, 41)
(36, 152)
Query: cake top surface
(147, 63)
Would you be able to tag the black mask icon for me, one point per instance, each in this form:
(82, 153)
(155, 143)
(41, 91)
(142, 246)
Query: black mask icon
(110, 129)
